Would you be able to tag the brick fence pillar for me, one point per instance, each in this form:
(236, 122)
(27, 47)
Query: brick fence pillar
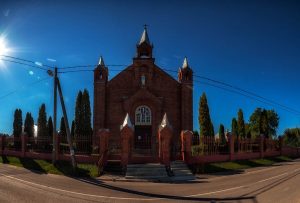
(127, 132)
(103, 135)
(186, 145)
(231, 147)
(165, 135)
(261, 146)
(24, 140)
(2, 144)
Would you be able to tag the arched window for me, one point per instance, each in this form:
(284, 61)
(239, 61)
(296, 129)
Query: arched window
(143, 115)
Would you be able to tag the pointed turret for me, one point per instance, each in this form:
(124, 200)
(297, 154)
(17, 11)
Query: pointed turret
(165, 122)
(101, 61)
(185, 73)
(101, 71)
(144, 47)
(145, 37)
(127, 122)
(185, 63)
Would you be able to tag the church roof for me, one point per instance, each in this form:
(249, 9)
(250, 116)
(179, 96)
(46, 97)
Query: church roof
(101, 61)
(145, 37)
(185, 63)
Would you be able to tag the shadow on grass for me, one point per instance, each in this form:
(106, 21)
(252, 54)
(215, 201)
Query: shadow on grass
(217, 170)
(32, 165)
(5, 159)
(65, 167)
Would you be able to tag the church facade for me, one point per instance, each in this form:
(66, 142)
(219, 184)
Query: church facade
(146, 93)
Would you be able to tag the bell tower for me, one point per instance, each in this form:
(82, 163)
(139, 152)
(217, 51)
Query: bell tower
(100, 85)
(185, 77)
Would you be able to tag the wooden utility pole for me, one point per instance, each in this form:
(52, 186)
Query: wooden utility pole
(72, 152)
(54, 158)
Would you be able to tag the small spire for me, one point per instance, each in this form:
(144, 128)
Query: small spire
(127, 122)
(145, 37)
(101, 61)
(185, 63)
(165, 121)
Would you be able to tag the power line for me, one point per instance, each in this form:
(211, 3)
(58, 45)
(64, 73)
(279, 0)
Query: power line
(21, 63)
(236, 90)
(25, 60)
(239, 90)
(245, 95)
(88, 66)
(30, 84)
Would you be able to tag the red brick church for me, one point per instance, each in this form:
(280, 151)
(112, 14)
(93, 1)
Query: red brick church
(146, 93)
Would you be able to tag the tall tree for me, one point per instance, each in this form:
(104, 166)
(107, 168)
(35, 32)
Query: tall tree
(264, 122)
(255, 120)
(204, 117)
(222, 134)
(73, 129)
(87, 125)
(248, 131)
(273, 121)
(50, 127)
(62, 130)
(241, 124)
(18, 122)
(234, 128)
(42, 122)
(29, 125)
(78, 116)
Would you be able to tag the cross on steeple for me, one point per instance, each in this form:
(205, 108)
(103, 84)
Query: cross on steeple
(145, 26)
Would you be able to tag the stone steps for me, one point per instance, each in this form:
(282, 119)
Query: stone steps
(157, 172)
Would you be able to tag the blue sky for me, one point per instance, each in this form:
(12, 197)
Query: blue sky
(254, 45)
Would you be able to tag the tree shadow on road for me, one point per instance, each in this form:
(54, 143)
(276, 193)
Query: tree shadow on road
(162, 196)
(32, 165)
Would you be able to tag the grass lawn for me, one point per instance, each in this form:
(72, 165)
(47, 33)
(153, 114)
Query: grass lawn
(42, 166)
(236, 166)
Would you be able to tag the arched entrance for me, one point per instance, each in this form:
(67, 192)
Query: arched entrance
(143, 128)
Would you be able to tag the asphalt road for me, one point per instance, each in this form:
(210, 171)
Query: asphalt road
(280, 183)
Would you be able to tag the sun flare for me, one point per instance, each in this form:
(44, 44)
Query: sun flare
(3, 47)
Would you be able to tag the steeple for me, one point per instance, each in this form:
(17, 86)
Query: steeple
(185, 73)
(144, 47)
(101, 71)
(101, 61)
(145, 37)
(185, 63)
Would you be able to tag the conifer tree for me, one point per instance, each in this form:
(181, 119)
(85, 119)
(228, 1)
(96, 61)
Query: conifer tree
(222, 134)
(234, 129)
(42, 122)
(87, 126)
(50, 127)
(62, 130)
(78, 116)
(18, 122)
(241, 124)
(206, 127)
(29, 125)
